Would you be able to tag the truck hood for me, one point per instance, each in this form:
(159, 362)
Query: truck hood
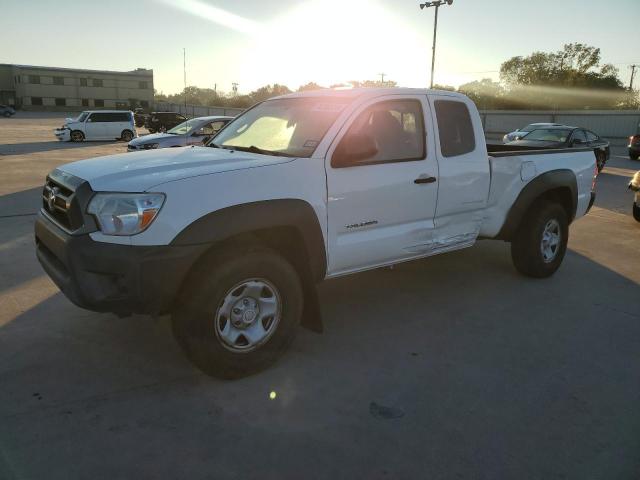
(140, 171)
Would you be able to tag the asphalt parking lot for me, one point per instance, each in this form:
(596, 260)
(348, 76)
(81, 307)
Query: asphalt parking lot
(450, 367)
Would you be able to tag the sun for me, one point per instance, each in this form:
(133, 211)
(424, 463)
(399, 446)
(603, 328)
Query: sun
(332, 41)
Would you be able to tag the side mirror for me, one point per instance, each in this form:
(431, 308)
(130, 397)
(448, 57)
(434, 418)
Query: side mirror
(353, 148)
(576, 141)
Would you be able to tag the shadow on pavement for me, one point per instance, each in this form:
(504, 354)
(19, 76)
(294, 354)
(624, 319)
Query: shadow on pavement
(35, 147)
(497, 376)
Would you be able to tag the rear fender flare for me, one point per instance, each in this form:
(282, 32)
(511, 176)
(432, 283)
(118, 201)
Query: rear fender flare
(538, 187)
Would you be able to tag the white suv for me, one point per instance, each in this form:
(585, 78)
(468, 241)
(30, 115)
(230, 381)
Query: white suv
(98, 125)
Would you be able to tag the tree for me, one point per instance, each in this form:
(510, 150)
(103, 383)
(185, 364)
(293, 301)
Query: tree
(309, 86)
(569, 78)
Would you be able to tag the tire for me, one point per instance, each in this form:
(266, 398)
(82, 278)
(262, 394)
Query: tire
(532, 248)
(77, 136)
(221, 294)
(126, 136)
(634, 156)
(7, 114)
(601, 160)
(636, 211)
(162, 129)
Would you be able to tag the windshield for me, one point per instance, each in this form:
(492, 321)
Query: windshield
(288, 127)
(548, 135)
(183, 128)
(82, 117)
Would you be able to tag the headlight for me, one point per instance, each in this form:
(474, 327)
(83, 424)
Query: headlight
(125, 213)
(149, 146)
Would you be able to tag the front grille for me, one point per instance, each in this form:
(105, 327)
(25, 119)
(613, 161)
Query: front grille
(60, 200)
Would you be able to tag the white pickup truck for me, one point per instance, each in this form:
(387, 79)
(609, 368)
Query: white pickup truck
(232, 237)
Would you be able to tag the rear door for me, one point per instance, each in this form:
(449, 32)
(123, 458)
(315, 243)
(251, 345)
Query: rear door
(464, 176)
(380, 208)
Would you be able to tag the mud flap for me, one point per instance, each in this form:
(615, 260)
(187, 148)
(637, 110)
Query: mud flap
(311, 313)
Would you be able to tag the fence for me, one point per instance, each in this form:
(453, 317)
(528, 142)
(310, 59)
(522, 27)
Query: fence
(196, 110)
(614, 125)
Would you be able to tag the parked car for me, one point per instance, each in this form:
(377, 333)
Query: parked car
(98, 125)
(521, 132)
(232, 237)
(196, 131)
(7, 111)
(566, 137)
(634, 185)
(634, 146)
(140, 116)
(163, 121)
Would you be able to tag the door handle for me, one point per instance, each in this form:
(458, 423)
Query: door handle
(424, 179)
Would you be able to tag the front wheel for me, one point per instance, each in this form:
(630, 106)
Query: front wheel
(239, 311)
(539, 245)
(7, 114)
(77, 136)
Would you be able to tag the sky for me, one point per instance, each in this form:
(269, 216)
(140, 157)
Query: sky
(259, 42)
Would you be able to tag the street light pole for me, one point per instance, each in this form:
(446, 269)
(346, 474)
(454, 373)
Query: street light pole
(437, 4)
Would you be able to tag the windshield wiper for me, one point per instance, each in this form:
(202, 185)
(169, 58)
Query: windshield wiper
(254, 149)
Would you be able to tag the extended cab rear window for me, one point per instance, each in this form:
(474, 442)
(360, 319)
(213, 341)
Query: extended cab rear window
(455, 128)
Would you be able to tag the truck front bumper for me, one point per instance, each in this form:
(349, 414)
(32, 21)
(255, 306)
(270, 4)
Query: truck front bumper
(106, 277)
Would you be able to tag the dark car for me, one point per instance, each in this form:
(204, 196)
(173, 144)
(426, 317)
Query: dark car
(163, 121)
(6, 111)
(567, 137)
(140, 117)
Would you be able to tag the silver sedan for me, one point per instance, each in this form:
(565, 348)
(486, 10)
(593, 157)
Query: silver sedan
(195, 131)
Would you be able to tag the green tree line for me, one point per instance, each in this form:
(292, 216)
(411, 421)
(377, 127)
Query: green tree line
(571, 78)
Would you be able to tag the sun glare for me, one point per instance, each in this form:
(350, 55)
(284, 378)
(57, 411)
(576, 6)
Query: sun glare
(332, 41)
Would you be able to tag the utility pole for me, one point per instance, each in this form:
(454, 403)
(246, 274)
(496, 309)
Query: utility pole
(633, 73)
(437, 4)
(234, 88)
(184, 70)
(382, 77)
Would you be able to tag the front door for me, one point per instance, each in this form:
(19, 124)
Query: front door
(381, 206)
(94, 126)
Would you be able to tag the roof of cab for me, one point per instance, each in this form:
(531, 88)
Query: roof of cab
(353, 93)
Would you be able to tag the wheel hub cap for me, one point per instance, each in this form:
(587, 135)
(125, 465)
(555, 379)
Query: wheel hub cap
(248, 315)
(550, 244)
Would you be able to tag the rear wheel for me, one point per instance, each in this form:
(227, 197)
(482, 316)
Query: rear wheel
(126, 136)
(539, 245)
(239, 311)
(77, 136)
(7, 114)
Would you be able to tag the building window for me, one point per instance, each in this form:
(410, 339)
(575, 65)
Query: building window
(34, 79)
(58, 80)
(61, 102)
(98, 103)
(142, 85)
(17, 79)
(36, 100)
(144, 104)
(83, 82)
(97, 82)
(85, 102)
